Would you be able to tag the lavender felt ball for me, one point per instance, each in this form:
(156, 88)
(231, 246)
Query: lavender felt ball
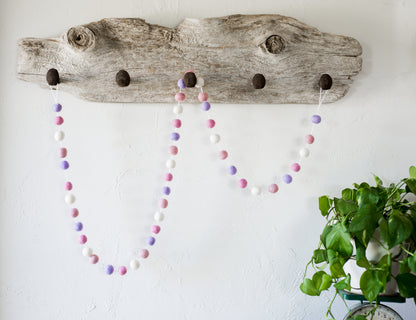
(78, 226)
(109, 269)
(205, 106)
(151, 241)
(232, 170)
(174, 136)
(166, 191)
(181, 84)
(57, 107)
(287, 178)
(64, 165)
(316, 119)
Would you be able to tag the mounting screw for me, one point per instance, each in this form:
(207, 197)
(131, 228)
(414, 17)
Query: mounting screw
(52, 77)
(325, 82)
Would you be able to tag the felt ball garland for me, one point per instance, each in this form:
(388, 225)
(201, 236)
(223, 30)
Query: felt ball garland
(215, 139)
(163, 203)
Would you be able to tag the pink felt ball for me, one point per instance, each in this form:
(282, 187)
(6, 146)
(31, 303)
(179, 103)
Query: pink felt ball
(168, 176)
(94, 259)
(242, 183)
(309, 139)
(155, 229)
(203, 96)
(177, 123)
(173, 150)
(163, 203)
(59, 120)
(82, 239)
(74, 212)
(223, 155)
(273, 188)
(295, 167)
(122, 270)
(62, 152)
(210, 123)
(144, 253)
(68, 186)
(180, 96)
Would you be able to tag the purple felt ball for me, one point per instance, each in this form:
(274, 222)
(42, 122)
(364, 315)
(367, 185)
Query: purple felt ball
(181, 84)
(151, 241)
(57, 107)
(78, 226)
(316, 119)
(205, 106)
(109, 269)
(287, 178)
(166, 191)
(232, 170)
(64, 165)
(174, 136)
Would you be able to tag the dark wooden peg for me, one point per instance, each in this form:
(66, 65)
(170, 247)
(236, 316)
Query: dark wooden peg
(189, 79)
(325, 82)
(123, 78)
(259, 81)
(52, 77)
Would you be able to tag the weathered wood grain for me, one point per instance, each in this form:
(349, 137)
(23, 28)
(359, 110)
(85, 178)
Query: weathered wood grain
(227, 52)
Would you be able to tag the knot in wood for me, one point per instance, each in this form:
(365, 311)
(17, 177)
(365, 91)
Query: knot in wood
(275, 44)
(81, 38)
(123, 78)
(259, 81)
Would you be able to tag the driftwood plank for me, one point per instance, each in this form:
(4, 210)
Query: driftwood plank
(227, 52)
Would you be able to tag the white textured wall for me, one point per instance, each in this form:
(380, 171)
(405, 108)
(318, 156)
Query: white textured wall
(222, 254)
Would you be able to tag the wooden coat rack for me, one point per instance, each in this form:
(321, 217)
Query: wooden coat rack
(228, 52)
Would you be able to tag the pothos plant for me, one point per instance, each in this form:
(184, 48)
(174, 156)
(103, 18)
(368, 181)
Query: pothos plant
(358, 216)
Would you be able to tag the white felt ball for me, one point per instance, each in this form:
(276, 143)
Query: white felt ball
(171, 164)
(87, 252)
(134, 264)
(59, 135)
(255, 191)
(159, 216)
(70, 198)
(215, 138)
(200, 82)
(178, 109)
(304, 153)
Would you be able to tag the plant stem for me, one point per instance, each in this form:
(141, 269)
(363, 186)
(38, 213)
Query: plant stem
(329, 311)
(408, 252)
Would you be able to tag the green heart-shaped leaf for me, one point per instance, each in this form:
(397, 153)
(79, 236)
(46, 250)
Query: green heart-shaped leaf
(407, 285)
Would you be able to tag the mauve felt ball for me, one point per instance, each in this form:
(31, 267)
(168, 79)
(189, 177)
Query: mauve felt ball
(287, 178)
(122, 270)
(223, 155)
(68, 186)
(144, 253)
(168, 176)
(74, 212)
(134, 264)
(155, 229)
(174, 136)
(203, 96)
(210, 123)
(109, 269)
(57, 107)
(181, 84)
(177, 123)
(232, 170)
(205, 106)
(59, 120)
(94, 259)
(173, 150)
(64, 165)
(180, 96)
(163, 203)
(82, 239)
(242, 183)
(309, 139)
(59, 135)
(177, 109)
(273, 188)
(316, 119)
(62, 152)
(166, 191)
(78, 226)
(151, 241)
(295, 167)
